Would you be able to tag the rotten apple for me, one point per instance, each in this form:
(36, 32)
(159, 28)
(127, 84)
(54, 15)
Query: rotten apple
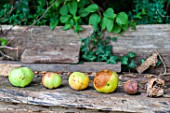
(106, 81)
(131, 87)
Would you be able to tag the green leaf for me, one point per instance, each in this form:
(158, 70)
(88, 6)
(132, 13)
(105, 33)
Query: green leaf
(158, 63)
(110, 25)
(107, 40)
(104, 23)
(107, 23)
(53, 23)
(125, 27)
(124, 60)
(65, 18)
(83, 12)
(3, 41)
(83, 3)
(76, 18)
(42, 2)
(143, 11)
(100, 50)
(132, 64)
(138, 16)
(92, 8)
(116, 29)
(94, 20)
(72, 6)
(77, 28)
(131, 54)
(109, 13)
(64, 10)
(89, 56)
(122, 19)
(114, 39)
(112, 60)
(67, 26)
(23, 6)
(142, 60)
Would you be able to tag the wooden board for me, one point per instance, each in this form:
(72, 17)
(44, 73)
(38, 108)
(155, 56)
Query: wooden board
(89, 99)
(143, 41)
(24, 108)
(44, 45)
(6, 66)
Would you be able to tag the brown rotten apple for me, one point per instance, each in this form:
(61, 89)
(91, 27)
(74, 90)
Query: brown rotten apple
(131, 87)
(106, 81)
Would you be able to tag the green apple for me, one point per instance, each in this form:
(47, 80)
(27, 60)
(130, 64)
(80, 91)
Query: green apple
(78, 81)
(21, 77)
(106, 81)
(51, 80)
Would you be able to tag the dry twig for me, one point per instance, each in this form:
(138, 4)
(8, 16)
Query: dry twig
(165, 68)
(4, 55)
(8, 47)
(48, 8)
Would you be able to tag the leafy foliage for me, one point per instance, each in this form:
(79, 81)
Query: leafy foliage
(149, 12)
(69, 13)
(96, 48)
(3, 41)
(105, 15)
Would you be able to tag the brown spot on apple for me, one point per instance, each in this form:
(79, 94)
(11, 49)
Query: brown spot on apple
(102, 78)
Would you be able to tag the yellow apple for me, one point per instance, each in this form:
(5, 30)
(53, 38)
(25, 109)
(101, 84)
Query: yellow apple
(78, 81)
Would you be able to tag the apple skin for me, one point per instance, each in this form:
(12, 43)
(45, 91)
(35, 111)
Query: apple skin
(106, 81)
(21, 77)
(131, 87)
(78, 81)
(51, 80)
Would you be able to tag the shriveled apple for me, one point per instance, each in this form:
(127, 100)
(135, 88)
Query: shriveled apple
(106, 81)
(131, 87)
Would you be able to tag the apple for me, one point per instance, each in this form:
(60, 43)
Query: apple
(21, 77)
(51, 80)
(131, 87)
(106, 81)
(78, 81)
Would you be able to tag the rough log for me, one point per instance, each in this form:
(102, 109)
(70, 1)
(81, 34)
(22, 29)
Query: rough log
(89, 99)
(24, 108)
(143, 41)
(6, 66)
(44, 45)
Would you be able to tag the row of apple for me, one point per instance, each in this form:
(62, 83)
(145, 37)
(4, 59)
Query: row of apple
(105, 81)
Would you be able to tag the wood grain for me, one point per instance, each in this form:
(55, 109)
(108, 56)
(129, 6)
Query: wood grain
(86, 67)
(143, 41)
(64, 96)
(57, 44)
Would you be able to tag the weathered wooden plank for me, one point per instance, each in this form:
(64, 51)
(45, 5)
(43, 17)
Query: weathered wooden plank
(53, 54)
(143, 41)
(25, 108)
(86, 67)
(57, 44)
(36, 94)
